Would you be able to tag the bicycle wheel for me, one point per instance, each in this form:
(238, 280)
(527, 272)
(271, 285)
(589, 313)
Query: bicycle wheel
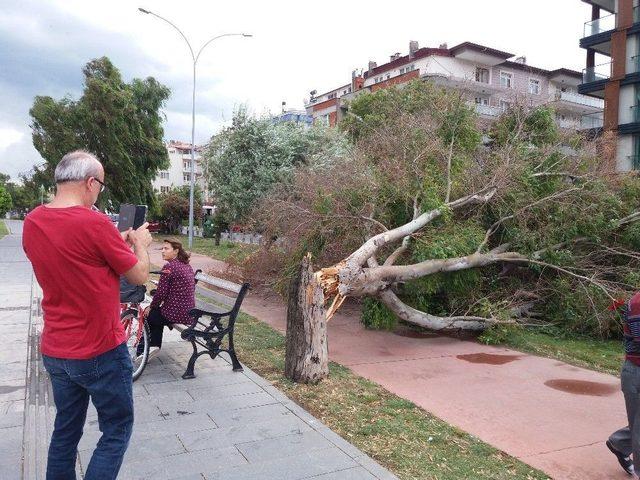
(137, 333)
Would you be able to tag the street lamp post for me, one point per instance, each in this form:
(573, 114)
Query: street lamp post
(194, 58)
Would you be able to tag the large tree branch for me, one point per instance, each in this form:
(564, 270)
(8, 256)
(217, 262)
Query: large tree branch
(432, 322)
(371, 246)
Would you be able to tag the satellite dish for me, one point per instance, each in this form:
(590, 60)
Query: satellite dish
(313, 92)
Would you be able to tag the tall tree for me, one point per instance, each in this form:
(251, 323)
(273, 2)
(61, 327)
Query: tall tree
(251, 156)
(121, 123)
(5, 201)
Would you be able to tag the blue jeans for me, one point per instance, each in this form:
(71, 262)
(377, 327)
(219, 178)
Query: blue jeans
(106, 379)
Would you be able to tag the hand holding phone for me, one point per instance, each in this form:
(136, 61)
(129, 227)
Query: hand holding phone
(140, 236)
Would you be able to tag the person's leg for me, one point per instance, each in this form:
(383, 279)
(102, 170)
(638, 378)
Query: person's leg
(620, 441)
(71, 402)
(630, 379)
(156, 323)
(112, 395)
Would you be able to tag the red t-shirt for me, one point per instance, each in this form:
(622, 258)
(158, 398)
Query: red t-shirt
(77, 255)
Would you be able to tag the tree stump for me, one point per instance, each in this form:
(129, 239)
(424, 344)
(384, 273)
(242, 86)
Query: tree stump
(307, 357)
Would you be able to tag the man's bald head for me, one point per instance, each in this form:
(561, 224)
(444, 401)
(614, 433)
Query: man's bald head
(77, 166)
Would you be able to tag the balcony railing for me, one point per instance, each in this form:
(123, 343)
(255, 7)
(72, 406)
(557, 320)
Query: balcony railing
(592, 120)
(598, 72)
(487, 110)
(580, 99)
(599, 25)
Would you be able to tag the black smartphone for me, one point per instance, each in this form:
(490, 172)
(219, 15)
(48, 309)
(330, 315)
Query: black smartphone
(131, 216)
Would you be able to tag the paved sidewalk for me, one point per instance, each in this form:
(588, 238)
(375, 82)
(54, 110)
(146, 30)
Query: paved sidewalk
(15, 301)
(220, 425)
(549, 414)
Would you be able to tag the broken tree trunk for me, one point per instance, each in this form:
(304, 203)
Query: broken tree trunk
(307, 358)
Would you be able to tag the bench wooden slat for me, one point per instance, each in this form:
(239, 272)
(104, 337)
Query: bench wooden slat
(219, 282)
(215, 296)
(210, 307)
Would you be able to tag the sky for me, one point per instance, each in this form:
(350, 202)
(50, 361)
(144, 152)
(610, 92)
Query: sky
(297, 46)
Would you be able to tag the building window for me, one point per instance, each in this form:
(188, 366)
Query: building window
(388, 76)
(185, 164)
(482, 75)
(482, 101)
(331, 95)
(401, 71)
(165, 189)
(504, 106)
(534, 86)
(164, 175)
(506, 80)
(186, 177)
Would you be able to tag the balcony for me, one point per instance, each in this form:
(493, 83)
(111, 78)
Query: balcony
(599, 25)
(578, 99)
(592, 120)
(597, 34)
(630, 123)
(597, 73)
(487, 110)
(594, 79)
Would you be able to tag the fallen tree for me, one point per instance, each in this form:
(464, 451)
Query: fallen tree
(422, 209)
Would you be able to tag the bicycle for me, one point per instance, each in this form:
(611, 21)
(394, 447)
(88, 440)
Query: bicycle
(136, 329)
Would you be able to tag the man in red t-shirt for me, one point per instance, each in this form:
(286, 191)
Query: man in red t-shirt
(77, 256)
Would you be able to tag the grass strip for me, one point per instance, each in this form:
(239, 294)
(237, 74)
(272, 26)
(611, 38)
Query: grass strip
(407, 440)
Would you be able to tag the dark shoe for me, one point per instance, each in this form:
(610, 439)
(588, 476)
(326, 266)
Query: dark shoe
(625, 462)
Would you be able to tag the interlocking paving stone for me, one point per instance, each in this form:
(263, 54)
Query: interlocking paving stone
(135, 468)
(357, 473)
(289, 445)
(287, 468)
(194, 441)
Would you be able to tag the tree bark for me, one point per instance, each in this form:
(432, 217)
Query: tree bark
(306, 358)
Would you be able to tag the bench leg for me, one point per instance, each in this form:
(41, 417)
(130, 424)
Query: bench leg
(188, 374)
(237, 366)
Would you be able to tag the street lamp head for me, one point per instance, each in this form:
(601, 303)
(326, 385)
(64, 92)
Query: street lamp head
(143, 10)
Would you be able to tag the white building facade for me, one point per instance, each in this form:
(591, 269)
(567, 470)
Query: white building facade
(491, 79)
(178, 174)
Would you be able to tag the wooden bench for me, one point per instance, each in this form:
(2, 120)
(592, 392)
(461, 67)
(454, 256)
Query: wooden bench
(213, 320)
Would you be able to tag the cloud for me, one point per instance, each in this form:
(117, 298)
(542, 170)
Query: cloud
(43, 50)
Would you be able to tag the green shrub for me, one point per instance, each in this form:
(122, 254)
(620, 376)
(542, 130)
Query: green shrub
(376, 316)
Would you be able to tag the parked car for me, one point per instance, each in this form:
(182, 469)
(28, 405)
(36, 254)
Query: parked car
(155, 227)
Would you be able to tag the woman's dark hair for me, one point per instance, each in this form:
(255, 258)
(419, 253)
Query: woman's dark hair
(183, 256)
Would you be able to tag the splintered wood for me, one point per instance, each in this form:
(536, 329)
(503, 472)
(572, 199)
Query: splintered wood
(329, 280)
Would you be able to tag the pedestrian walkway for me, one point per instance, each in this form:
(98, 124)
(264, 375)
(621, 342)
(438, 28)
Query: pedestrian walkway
(222, 424)
(549, 414)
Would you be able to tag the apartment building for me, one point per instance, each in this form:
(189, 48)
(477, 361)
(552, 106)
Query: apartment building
(299, 117)
(491, 79)
(179, 172)
(611, 39)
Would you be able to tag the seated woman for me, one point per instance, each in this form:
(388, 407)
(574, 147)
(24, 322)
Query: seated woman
(175, 294)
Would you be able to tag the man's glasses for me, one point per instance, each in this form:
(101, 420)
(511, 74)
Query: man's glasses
(102, 184)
